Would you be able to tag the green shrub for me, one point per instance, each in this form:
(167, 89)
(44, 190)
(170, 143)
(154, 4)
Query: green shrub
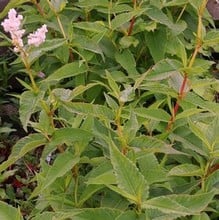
(121, 98)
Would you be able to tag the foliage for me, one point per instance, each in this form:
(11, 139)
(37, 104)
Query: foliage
(120, 104)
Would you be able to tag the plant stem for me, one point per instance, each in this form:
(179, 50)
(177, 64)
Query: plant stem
(119, 130)
(131, 26)
(58, 19)
(39, 8)
(75, 176)
(198, 45)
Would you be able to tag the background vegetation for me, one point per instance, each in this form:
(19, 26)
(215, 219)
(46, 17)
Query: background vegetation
(118, 114)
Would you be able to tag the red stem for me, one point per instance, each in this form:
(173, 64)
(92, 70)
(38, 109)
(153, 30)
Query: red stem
(131, 26)
(177, 104)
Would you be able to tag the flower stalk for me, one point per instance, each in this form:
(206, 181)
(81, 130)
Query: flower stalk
(13, 25)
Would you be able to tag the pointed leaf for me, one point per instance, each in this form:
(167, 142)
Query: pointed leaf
(95, 110)
(186, 170)
(155, 114)
(127, 61)
(128, 176)
(151, 169)
(28, 104)
(68, 70)
(164, 69)
(180, 204)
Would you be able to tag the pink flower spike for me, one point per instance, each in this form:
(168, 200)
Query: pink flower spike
(13, 22)
(38, 37)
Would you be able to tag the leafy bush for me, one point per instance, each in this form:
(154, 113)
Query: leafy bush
(121, 100)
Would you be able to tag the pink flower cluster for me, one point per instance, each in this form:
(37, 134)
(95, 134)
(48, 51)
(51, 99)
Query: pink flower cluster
(12, 24)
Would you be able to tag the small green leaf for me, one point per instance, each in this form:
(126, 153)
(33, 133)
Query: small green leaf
(66, 71)
(127, 61)
(211, 38)
(212, 181)
(49, 45)
(105, 178)
(97, 214)
(7, 212)
(164, 69)
(186, 170)
(88, 193)
(157, 15)
(155, 114)
(121, 19)
(28, 104)
(69, 136)
(152, 144)
(151, 169)
(176, 3)
(95, 110)
(200, 134)
(63, 163)
(202, 216)
(58, 5)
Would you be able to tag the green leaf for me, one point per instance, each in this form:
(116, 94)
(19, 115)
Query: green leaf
(188, 145)
(128, 215)
(29, 102)
(152, 144)
(105, 178)
(58, 5)
(128, 176)
(113, 85)
(35, 52)
(63, 163)
(7, 212)
(188, 112)
(151, 169)
(66, 71)
(95, 110)
(180, 204)
(121, 19)
(103, 174)
(164, 69)
(155, 114)
(93, 3)
(211, 38)
(176, 3)
(97, 214)
(155, 214)
(70, 136)
(22, 147)
(202, 216)
(212, 181)
(154, 40)
(186, 170)
(127, 61)
(130, 128)
(157, 15)
(88, 193)
(200, 134)
(94, 27)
